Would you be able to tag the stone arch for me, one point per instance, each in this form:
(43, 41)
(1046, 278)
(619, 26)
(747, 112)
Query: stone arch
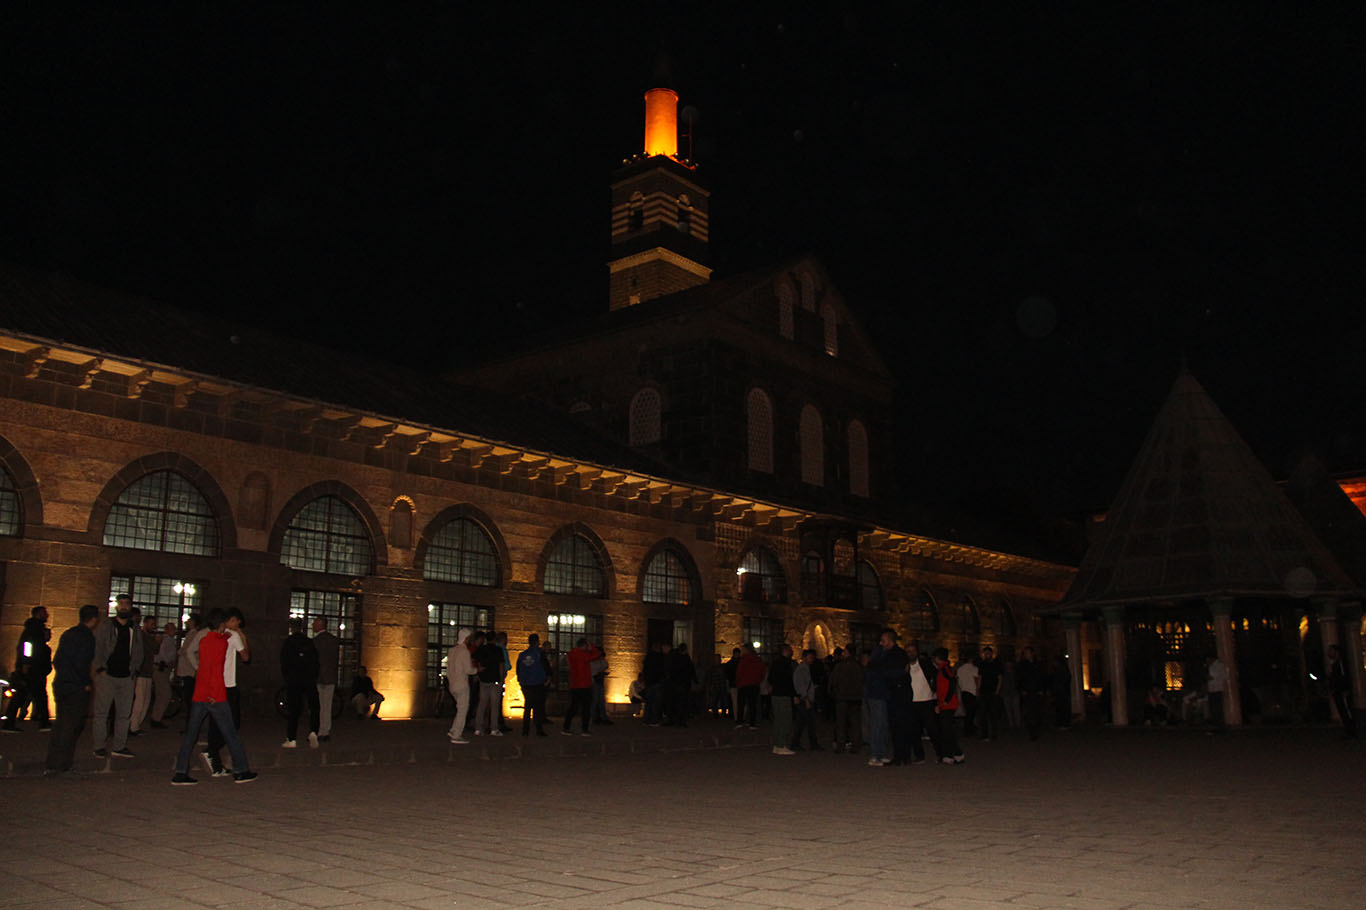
(347, 495)
(579, 529)
(474, 514)
(818, 638)
(25, 484)
(202, 480)
(402, 514)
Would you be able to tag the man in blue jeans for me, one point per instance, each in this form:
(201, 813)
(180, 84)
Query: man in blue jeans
(211, 700)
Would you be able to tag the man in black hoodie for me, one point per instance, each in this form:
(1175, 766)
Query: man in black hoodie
(299, 666)
(32, 664)
(72, 685)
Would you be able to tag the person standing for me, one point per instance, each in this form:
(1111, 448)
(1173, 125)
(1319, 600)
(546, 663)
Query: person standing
(681, 678)
(1060, 684)
(488, 661)
(1216, 681)
(921, 679)
(299, 667)
(71, 686)
(732, 666)
(459, 669)
(162, 664)
(784, 696)
(502, 641)
(187, 660)
(946, 703)
(232, 627)
(654, 675)
(749, 676)
(142, 685)
(804, 702)
(118, 654)
(1340, 686)
(990, 710)
(846, 689)
(32, 664)
(969, 677)
(1030, 680)
(532, 676)
(580, 657)
(328, 647)
(210, 701)
(599, 669)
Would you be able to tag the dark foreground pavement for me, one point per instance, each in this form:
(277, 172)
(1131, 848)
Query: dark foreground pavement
(699, 818)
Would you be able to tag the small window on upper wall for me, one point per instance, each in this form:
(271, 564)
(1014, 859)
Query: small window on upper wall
(787, 302)
(812, 442)
(644, 418)
(858, 459)
(807, 283)
(759, 416)
(684, 215)
(636, 221)
(832, 330)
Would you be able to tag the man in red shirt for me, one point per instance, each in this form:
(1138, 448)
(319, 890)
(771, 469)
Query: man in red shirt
(211, 700)
(581, 686)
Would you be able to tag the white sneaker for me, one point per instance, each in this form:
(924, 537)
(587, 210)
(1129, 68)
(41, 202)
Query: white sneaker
(312, 740)
(478, 732)
(458, 740)
(495, 733)
(875, 763)
(289, 744)
(782, 750)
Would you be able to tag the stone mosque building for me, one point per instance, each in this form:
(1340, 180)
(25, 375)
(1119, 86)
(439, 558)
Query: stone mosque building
(703, 466)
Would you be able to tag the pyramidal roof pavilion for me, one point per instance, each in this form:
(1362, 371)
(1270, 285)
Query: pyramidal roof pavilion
(1199, 518)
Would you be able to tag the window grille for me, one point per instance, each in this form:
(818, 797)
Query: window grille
(667, 580)
(462, 552)
(832, 330)
(164, 599)
(759, 417)
(11, 518)
(766, 635)
(812, 447)
(343, 615)
(645, 418)
(787, 326)
(328, 536)
(870, 589)
(162, 511)
(563, 630)
(573, 568)
(444, 622)
(761, 577)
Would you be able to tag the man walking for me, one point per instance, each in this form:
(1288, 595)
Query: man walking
(71, 686)
(784, 687)
(187, 660)
(210, 700)
(580, 657)
(118, 654)
(459, 669)
(32, 664)
(328, 647)
(532, 676)
(299, 667)
(236, 637)
(162, 666)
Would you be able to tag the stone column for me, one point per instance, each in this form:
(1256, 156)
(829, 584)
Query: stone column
(1071, 623)
(1115, 663)
(1327, 612)
(1221, 612)
(1350, 633)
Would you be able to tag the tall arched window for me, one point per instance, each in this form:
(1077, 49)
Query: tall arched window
(972, 625)
(858, 459)
(832, 329)
(807, 282)
(759, 418)
(462, 552)
(870, 589)
(926, 611)
(328, 536)
(1006, 627)
(812, 447)
(787, 301)
(667, 580)
(11, 516)
(761, 577)
(162, 511)
(573, 568)
(644, 421)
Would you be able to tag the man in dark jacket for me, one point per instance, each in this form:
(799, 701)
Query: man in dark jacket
(1033, 686)
(299, 666)
(784, 694)
(118, 654)
(71, 686)
(889, 663)
(655, 673)
(846, 690)
(682, 675)
(532, 676)
(32, 664)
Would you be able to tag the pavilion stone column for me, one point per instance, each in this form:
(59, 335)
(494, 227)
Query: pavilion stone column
(1327, 612)
(1071, 623)
(1114, 660)
(1350, 633)
(1221, 612)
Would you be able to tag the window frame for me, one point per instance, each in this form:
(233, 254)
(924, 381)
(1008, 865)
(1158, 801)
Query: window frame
(462, 555)
(295, 533)
(158, 515)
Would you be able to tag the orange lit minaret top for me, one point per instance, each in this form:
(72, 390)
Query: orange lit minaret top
(661, 122)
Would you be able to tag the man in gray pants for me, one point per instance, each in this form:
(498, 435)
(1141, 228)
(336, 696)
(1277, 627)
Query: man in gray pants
(329, 658)
(118, 653)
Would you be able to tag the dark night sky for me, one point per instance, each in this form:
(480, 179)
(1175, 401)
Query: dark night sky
(1038, 215)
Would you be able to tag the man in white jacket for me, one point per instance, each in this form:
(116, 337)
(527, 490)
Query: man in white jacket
(459, 669)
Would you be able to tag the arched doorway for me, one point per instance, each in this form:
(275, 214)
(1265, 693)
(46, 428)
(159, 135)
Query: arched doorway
(818, 638)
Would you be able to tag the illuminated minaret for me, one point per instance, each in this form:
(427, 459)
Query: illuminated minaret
(659, 214)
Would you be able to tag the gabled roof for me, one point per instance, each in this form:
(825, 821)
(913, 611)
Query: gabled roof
(1331, 513)
(1199, 517)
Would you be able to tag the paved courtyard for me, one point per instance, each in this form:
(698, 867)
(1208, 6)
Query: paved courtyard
(698, 818)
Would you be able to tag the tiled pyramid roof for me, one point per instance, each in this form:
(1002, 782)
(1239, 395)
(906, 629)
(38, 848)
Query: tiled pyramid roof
(1198, 516)
(1333, 516)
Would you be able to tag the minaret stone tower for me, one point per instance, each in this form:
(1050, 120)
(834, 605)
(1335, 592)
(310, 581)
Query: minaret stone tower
(659, 214)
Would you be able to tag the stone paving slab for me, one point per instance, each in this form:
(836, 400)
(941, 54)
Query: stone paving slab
(1114, 820)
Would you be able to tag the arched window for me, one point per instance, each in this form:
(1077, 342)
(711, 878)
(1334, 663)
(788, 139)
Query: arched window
(637, 218)
(870, 589)
(162, 511)
(1006, 627)
(328, 536)
(807, 283)
(573, 568)
(858, 459)
(462, 552)
(787, 301)
(667, 580)
(759, 419)
(11, 516)
(684, 215)
(761, 577)
(832, 329)
(972, 625)
(644, 427)
(812, 447)
(925, 611)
